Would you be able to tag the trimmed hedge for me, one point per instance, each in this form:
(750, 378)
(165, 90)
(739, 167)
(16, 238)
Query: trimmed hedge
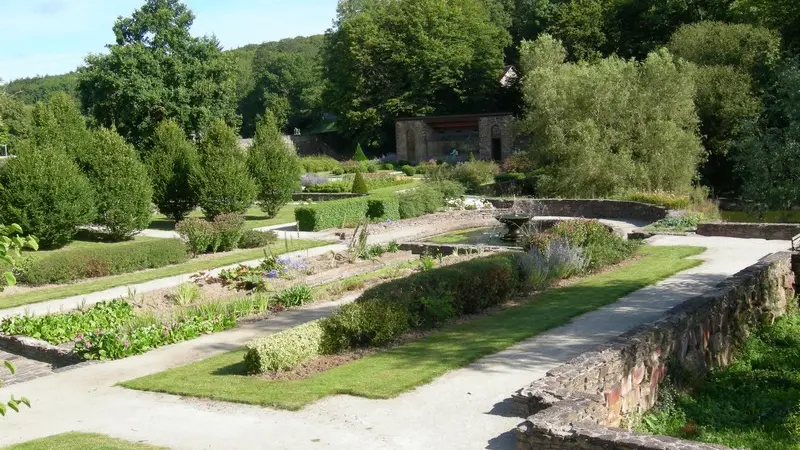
(420, 201)
(320, 163)
(331, 187)
(284, 350)
(383, 208)
(331, 214)
(364, 324)
(470, 286)
(69, 265)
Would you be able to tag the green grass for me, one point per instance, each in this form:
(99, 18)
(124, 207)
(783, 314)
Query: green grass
(254, 218)
(753, 403)
(468, 236)
(765, 216)
(80, 441)
(41, 295)
(84, 240)
(392, 189)
(393, 371)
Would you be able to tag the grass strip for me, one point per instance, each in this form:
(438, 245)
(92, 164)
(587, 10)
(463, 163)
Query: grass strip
(398, 369)
(80, 441)
(197, 265)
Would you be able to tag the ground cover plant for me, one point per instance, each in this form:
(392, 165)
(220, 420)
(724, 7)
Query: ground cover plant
(750, 404)
(680, 223)
(194, 265)
(80, 441)
(397, 369)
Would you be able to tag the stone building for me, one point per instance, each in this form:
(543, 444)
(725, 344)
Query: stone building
(487, 136)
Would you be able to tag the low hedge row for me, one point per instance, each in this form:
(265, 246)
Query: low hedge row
(385, 312)
(337, 213)
(68, 265)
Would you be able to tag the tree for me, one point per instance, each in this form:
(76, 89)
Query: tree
(171, 163)
(615, 125)
(768, 155)
(781, 15)
(274, 166)
(122, 188)
(359, 154)
(45, 193)
(41, 88)
(223, 183)
(387, 59)
(359, 184)
(158, 70)
(16, 120)
(59, 122)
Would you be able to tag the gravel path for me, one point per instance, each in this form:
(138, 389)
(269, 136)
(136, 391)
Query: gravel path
(464, 409)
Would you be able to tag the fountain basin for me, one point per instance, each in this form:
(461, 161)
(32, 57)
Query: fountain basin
(514, 223)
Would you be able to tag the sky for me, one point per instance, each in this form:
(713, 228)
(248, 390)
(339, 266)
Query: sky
(49, 37)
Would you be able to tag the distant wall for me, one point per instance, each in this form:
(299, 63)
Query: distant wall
(579, 404)
(594, 209)
(322, 196)
(769, 231)
(319, 144)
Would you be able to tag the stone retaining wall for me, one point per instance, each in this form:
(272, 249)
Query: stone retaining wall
(769, 231)
(577, 405)
(39, 350)
(594, 209)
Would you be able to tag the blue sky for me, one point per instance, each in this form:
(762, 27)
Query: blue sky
(45, 37)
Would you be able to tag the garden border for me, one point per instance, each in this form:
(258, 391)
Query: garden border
(580, 404)
(768, 231)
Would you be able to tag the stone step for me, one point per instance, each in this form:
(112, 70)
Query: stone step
(27, 369)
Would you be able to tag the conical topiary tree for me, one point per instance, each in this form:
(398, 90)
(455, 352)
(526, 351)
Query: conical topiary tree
(122, 187)
(360, 156)
(171, 162)
(274, 166)
(359, 184)
(223, 182)
(45, 193)
(471, 157)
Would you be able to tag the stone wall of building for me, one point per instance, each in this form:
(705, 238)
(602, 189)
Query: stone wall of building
(593, 209)
(769, 231)
(579, 404)
(412, 134)
(506, 129)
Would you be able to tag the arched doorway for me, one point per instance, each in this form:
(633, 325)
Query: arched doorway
(411, 146)
(497, 144)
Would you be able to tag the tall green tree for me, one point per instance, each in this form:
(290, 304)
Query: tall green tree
(602, 128)
(122, 187)
(781, 15)
(157, 70)
(223, 183)
(171, 162)
(387, 59)
(59, 122)
(16, 120)
(274, 165)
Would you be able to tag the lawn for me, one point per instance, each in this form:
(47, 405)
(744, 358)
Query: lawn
(393, 189)
(398, 369)
(762, 217)
(196, 265)
(469, 236)
(750, 404)
(80, 441)
(254, 218)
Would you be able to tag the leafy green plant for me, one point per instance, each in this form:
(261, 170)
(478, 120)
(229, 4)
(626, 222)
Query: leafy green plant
(387, 166)
(393, 246)
(678, 223)
(423, 200)
(199, 235)
(474, 174)
(229, 229)
(363, 324)
(256, 239)
(409, 170)
(426, 263)
(297, 295)
(186, 294)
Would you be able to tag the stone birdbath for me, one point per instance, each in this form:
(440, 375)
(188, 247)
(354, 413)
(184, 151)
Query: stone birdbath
(514, 222)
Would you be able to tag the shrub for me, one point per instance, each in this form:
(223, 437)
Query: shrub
(509, 176)
(449, 189)
(426, 166)
(474, 174)
(199, 235)
(521, 162)
(665, 199)
(337, 171)
(186, 294)
(122, 188)
(284, 350)
(359, 185)
(45, 193)
(372, 167)
(379, 181)
(359, 154)
(70, 264)
(330, 214)
(409, 171)
(383, 207)
(320, 163)
(423, 200)
(311, 179)
(256, 239)
(556, 259)
(683, 222)
(297, 295)
(352, 166)
(388, 166)
(223, 181)
(363, 324)
(171, 163)
(331, 187)
(274, 166)
(229, 229)
(473, 286)
(600, 245)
